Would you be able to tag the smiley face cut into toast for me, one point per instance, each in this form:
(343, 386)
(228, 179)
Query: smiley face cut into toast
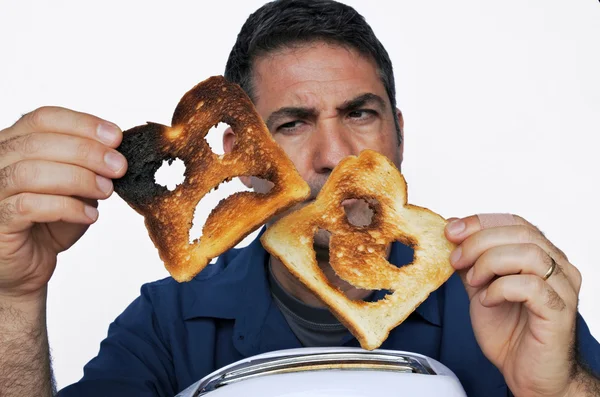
(357, 254)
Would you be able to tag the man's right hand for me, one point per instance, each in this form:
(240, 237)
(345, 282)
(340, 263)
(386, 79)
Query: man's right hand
(55, 164)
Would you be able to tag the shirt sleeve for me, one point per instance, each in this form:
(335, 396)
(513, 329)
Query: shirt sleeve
(588, 348)
(133, 359)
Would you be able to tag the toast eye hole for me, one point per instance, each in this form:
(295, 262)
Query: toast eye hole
(359, 212)
(214, 138)
(170, 174)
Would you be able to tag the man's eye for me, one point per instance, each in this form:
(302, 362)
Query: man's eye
(290, 126)
(362, 114)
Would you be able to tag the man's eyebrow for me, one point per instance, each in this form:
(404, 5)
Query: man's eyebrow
(306, 113)
(290, 112)
(362, 100)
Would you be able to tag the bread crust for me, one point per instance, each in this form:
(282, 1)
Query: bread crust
(358, 253)
(168, 215)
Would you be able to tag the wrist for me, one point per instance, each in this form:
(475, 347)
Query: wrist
(28, 298)
(24, 352)
(30, 307)
(583, 383)
(572, 389)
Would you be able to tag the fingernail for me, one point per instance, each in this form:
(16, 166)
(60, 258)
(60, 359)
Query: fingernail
(469, 275)
(455, 256)
(456, 227)
(91, 212)
(104, 184)
(107, 133)
(115, 161)
(482, 295)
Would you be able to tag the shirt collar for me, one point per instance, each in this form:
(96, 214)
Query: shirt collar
(429, 310)
(235, 288)
(237, 280)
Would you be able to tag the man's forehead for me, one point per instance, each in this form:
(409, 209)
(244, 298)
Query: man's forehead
(309, 74)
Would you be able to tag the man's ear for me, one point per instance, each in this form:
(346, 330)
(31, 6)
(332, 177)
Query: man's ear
(401, 145)
(228, 143)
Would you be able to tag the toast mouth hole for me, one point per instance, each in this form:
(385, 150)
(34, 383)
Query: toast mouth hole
(214, 138)
(261, 185)
(360, 212)
(211, 199)
(375, 297)
(171, 173)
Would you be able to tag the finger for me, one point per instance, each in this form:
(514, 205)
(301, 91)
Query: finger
(564, 265)
(537, 295)
(65, 121)
(39, 176)
(17, 213)
(479, 240)
(88, 201)
(63, 148)
(459, 229)
(510, 259)
(519, 259)
(476, 244)
(557, 252)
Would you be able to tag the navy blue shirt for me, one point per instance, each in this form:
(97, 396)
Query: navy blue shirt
(175, 334)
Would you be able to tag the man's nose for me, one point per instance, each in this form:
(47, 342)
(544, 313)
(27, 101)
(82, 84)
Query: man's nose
(330, 144)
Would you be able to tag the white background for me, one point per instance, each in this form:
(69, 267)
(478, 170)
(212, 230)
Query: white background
(501, 102)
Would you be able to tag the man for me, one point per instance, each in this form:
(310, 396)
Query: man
(324, 85)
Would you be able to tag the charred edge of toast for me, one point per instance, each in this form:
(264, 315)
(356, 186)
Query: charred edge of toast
(144, 146)
(141, 146)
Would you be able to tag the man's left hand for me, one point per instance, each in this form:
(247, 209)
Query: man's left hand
(524, 294)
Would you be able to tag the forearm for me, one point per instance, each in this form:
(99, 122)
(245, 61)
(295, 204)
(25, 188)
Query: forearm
(24, 354)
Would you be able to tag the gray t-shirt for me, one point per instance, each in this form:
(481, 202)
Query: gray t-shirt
(313, 326)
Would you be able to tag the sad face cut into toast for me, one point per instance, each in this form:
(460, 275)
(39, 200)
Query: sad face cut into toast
(357, 253)
(168, 214)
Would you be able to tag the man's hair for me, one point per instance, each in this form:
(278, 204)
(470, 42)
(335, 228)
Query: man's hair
(284, 23)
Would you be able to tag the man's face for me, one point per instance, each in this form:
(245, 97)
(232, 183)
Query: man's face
(322, 103)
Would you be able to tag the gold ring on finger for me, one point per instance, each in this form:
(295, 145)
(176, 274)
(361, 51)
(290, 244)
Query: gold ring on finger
(550, 270)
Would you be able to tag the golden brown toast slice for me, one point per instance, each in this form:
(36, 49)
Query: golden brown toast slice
(169, 214)
(358, 253)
